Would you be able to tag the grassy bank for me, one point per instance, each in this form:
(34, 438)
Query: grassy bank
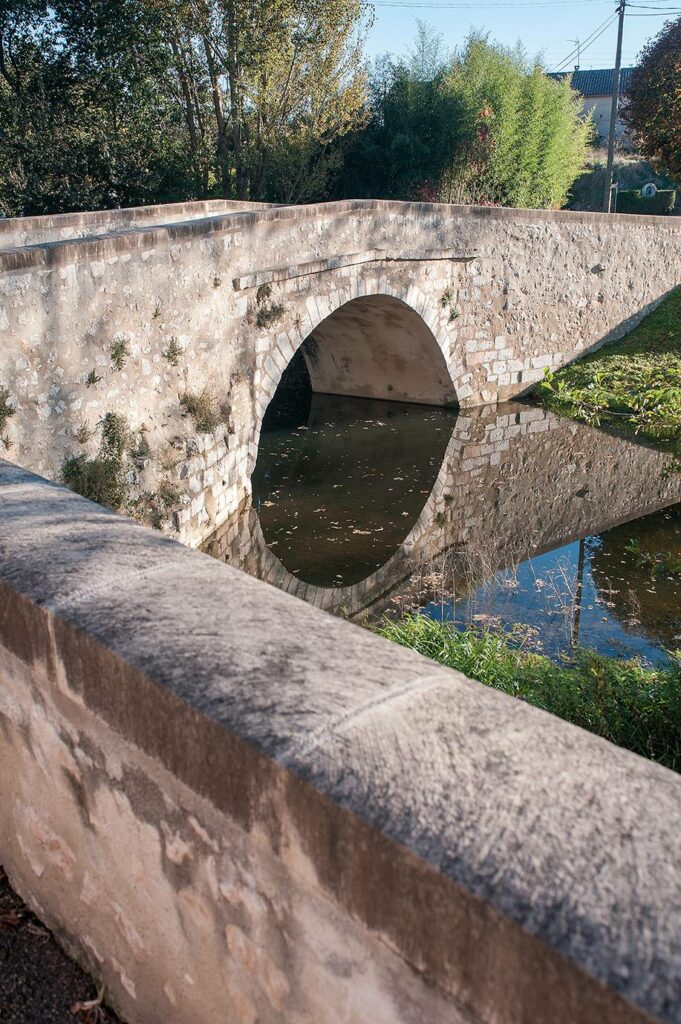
(634, 707)
(634, 383)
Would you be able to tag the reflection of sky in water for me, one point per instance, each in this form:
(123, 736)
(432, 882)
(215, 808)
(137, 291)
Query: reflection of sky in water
(339, 484)
(612, 614)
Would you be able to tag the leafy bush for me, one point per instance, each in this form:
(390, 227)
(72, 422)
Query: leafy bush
(102, 479)
(635, 707)
(203, 409)
(484, 126)
(98, 479)
(632, 201)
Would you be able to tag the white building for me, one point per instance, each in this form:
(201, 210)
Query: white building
(596, 90)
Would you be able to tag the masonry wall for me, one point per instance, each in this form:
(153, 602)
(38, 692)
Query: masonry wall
(226, 828)
(504, 294)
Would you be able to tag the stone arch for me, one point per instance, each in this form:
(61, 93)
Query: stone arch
(377, 346)
(413, 348)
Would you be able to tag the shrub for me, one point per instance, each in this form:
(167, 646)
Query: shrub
(6, 410)
(119, 352)
(632, 201)
(203, 409)
(101, 479)
(98, 479)
(172, 352)
(635, 707)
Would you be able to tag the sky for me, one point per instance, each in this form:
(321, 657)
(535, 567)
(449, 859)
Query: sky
(543, 26)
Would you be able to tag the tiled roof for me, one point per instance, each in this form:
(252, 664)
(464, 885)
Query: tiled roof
(596, 83)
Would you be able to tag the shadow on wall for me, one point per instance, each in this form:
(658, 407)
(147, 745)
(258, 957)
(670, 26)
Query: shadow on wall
(377, 346)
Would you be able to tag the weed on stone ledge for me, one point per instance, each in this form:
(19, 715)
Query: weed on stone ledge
(119, 352)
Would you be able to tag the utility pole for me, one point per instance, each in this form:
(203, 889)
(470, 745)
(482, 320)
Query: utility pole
(576, 42)
(607, 194)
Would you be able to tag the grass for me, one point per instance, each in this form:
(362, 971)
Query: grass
(102, 479)
(633, 706)
(634, 383)
(203, 409)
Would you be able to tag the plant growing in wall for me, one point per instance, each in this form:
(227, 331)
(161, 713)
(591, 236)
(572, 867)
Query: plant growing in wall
(102, 479)
(153, 508)
(269, 313)
(172, 351)
(204, 410)
(447, 303)
(6, 411)
(119, 352)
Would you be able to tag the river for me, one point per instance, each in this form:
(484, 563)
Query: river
(506, 516)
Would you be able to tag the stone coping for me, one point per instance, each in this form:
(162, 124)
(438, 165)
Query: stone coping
(84, 220)
(108, 244)
(515, 861)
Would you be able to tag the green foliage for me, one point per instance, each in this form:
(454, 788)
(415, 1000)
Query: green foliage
(482, 127)
(269, 315)
(153, 507)
(87, 107)
(173, 351)
(98, 479)
(6, 410)
(92, 379)
(634, 383)
(632, 201)
(630, 172)
(653, 110)
(122, 102)
(203, 409)
(635, 707)
(119, 352)
(102, 479)
(269, 312)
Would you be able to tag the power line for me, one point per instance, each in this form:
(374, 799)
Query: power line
(480, 7)
(589, 41)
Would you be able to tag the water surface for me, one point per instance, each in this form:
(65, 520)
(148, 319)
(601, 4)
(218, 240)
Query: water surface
(498, 515)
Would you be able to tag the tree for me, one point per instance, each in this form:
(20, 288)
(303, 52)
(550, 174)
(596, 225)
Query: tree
(117, 102)
(653, 111)
(483, 126)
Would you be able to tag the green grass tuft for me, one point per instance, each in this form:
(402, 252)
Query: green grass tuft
(635, 707)
(634, 383)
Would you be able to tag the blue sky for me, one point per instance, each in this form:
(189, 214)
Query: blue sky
(548, 28)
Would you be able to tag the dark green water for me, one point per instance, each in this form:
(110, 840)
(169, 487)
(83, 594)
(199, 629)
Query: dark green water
(493, 516)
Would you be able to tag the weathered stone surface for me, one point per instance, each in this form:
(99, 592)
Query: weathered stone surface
(237, 807)
(544, 287)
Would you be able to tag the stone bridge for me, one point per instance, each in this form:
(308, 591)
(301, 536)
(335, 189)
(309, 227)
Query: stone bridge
(129, 311)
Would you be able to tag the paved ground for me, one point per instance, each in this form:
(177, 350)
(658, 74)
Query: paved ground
(39, 983)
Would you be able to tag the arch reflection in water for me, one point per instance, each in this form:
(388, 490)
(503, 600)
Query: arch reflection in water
(338, 491)
(365, 507)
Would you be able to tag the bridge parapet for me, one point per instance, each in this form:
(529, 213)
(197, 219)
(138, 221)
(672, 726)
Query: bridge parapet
(211, 815)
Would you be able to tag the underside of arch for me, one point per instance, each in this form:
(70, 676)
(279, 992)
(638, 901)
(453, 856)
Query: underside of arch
(377, 346)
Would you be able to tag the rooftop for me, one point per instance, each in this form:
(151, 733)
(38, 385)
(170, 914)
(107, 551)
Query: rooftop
(596, 82)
